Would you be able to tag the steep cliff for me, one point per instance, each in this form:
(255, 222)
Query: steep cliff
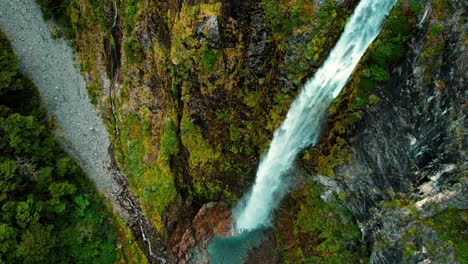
(406, 181)
(399, 165)
(192, 91)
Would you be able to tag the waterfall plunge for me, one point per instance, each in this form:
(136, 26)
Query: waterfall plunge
(302, 125)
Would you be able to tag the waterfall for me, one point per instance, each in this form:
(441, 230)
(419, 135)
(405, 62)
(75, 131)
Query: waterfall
(302, 125)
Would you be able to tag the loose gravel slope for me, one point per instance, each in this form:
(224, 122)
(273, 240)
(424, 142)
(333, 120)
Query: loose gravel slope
(49, 63)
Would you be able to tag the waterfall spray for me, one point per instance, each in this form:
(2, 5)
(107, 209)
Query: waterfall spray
(302, 125)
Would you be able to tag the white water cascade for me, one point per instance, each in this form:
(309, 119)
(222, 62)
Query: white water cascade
(302, 125)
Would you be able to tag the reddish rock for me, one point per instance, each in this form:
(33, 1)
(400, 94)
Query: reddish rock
(190, 241)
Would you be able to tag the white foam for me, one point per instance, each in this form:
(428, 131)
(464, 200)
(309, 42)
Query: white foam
(302, 125)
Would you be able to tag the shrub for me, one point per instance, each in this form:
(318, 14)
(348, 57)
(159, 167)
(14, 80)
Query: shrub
(415, 7)
(209, 56)
(130, 50)
(436, 29)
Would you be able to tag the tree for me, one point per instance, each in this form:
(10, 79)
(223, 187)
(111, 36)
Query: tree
(8, 67)
(40, 185)
(26, 213)
(7, 175)
(36, 244)
(7, 239)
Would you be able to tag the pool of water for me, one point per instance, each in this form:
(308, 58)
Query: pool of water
(234, 249)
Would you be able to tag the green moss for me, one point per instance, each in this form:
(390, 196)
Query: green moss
(234, 134)
(250, 98)
(395, 203)
(94, 91)
(202, 154)
(367, 85)
(170, 141)
(451, 227)
(132, 51)
(433, 51)
(213, 191)
(285, 17)
(300, 28)
(209, 164)
(409, 250)
(379, 74)
(131, 8)
(127, 246)
(436, 29)
(209, 57)
(329, 227)
(431, 56)
(374, 99)
(415, 7)
(150, 177)
(353, 118)
(192, 53)
(361, 101)
(374, 69)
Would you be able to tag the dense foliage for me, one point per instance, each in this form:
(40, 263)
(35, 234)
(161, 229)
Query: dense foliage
(49, 212)
(58, 10)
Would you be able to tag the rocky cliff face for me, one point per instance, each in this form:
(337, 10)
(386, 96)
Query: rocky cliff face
(408, 152)
(193, 90)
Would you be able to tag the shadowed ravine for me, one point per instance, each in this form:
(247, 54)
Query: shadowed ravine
(302, 125)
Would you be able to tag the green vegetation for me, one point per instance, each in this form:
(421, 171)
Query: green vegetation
(386, 52)
(130, 50)
(148, 171)
(129, 15)
(131, 46)
(58, 10)
(294, 19)
(85, 43)
(148, 148)
(323, 231)
(451, 228)
(214, 158)
(196, 53)
(209, 57)
(66, 14)
(415, 7)
(136, 145)
(431, 56)
(50, 212)
(207, 159)
(193, 119)
(436, 29)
